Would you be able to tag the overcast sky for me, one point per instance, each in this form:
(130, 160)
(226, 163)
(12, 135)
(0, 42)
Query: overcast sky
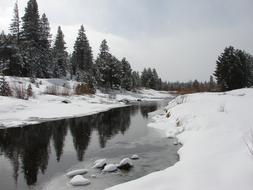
(180, 38)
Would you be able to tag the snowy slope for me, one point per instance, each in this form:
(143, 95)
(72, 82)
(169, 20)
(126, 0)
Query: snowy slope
(214, 129)
(44, 107)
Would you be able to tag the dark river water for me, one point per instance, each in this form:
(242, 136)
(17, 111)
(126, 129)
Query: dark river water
(38, 156)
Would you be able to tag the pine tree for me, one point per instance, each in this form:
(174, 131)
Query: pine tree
(45, 45)
(136, 80)
(108, 68)
(126, 80)
(30, 38)
(144, 78)
(233, 69)
(82, 59)
(15, 25)
(10, 58)
(211, 83)
(154, 80)
(102, 66)
(59, 56)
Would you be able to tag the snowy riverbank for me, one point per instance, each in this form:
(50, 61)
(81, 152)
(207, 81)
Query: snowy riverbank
(43, 107)
(214, 129)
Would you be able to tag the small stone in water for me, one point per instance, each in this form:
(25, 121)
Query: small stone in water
(125, 164)
(76, 172)
(134, 157)
(110, 168)
(99, 163)
(79, 180)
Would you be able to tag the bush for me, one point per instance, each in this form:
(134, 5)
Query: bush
(29, 91)
(83, 88)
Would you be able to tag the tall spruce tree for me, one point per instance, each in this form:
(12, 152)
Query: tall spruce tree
(10, 49)
(126, 80)
(136, 80)
(30, 38)
(233, 69)
(15, 24)
(101, 65)
(60, 56)
(82, 59)
(45, 46)
(108, 68)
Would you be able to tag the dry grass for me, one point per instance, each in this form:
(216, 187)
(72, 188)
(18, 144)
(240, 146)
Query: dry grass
(82, 89)
(57, 91)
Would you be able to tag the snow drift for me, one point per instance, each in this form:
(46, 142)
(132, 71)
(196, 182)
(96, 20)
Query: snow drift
(214, 129)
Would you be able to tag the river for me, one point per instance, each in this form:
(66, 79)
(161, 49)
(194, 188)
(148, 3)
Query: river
(38, 156)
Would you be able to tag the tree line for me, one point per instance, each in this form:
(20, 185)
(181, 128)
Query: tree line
(29, 51)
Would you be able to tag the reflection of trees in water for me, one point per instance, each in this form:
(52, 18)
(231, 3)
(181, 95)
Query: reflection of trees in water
(28, 148)
(59, 133)
(147, 108)
(81, 130)
(111, 123)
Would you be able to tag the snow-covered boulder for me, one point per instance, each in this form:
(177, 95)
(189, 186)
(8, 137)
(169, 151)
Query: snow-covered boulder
(99, 163)
(135, 157)
(76, 172)
(79, 180)
(125, 164)
(110, 168)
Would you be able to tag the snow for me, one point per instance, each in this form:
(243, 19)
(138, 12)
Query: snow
(79, 180)
(77, 172)
(44, 107)
(214, 129)
(110, 168)
(99, 163)
(135, 157)
(124, 162)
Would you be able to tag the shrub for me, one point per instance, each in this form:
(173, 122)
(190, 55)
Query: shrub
(29, 91)
(83, 88)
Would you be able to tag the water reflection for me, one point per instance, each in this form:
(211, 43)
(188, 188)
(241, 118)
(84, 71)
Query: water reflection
(28, 149)
(146, 108)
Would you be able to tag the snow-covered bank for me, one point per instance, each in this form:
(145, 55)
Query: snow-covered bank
(43, 107)
(214, 129)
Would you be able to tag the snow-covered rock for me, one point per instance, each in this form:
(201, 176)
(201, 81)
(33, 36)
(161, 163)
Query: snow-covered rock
(79, 180)
(125, 164)
(77, 172)
(99, 163)
(135, 157)
(66, 101)
(110, 168)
